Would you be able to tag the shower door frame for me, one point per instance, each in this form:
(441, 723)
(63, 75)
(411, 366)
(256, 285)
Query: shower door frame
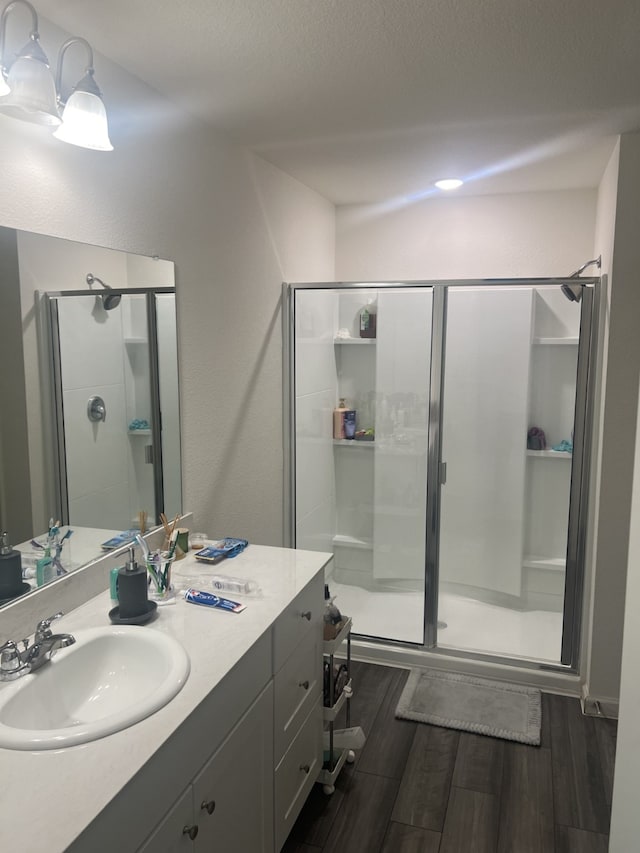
(50, 331)
(436, 470)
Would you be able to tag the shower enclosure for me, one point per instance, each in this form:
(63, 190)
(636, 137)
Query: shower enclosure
(456, 514)
(114, 403)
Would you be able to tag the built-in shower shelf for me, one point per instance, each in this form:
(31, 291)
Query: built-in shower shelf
(136, 341)
(139, 432)
(352, 442)
(553, 564)
(550, 454)
(344, 541)
(556, 342)
(358, 341)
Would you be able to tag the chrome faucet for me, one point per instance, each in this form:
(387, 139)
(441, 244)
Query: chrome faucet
(15, 662)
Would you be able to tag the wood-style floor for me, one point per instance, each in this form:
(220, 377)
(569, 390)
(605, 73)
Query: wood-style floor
(417, 788)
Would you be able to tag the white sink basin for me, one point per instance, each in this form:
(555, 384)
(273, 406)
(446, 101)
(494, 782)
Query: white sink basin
(111, 678)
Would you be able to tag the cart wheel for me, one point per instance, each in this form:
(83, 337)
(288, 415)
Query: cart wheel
(328, 789)
(351, 756)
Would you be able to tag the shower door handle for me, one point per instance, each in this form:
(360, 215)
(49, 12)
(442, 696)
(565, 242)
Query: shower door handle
(442, 473)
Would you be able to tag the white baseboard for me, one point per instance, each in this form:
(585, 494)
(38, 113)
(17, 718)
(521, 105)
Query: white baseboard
(598, 706)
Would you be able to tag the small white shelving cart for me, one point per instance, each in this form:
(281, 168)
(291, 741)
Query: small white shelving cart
(339, 744)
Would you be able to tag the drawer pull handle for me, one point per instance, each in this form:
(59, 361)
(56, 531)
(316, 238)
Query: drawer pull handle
(208, 806)
(306, 614)
(191, 831)
(305, 767)
(304, 684)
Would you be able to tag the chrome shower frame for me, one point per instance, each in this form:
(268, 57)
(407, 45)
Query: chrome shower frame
(403, 653)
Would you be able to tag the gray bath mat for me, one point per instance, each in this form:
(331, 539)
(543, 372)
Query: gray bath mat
(472, 704)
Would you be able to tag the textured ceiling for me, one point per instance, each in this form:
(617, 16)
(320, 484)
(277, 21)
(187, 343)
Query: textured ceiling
(366, 100)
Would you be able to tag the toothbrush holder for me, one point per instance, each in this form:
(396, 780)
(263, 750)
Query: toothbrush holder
(161, 589)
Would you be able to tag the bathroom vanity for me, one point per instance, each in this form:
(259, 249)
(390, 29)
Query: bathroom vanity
(227, 764)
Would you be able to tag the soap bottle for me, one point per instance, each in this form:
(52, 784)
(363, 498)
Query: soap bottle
(338, 419)
(10, 570)
(368, 319)
(132, 589)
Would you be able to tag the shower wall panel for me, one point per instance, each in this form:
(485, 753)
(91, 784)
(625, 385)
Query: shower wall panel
(485, 410)
(403, 364)
(315, 399)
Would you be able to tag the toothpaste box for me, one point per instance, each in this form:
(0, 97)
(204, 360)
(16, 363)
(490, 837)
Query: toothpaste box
(227, 547)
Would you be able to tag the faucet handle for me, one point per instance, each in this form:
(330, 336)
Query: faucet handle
(9, 657)
(43, 629)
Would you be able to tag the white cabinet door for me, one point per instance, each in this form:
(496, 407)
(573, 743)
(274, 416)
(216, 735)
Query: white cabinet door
(172, 834)
(233, 794)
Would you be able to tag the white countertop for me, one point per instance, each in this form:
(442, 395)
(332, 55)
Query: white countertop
(47, 798)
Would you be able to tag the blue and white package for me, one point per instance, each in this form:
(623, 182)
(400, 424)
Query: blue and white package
(228, 547)
(208, 599)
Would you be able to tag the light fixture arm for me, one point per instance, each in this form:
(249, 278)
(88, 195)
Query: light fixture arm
(87, 84)
(34, 35)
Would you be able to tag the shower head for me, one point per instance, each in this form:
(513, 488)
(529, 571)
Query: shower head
(109, 300)
(573, 292)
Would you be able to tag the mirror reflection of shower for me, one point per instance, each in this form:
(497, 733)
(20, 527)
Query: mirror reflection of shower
(123, 363)
(109, 300)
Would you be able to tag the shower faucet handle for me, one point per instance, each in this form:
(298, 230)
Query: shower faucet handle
(96, 409)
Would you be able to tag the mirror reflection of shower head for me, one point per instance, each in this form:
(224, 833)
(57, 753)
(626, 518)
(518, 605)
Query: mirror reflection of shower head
(109, 300)
(573, 292)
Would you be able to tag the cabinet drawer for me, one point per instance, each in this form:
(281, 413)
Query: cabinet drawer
(304, 613)
(297, 688)
(296, 774)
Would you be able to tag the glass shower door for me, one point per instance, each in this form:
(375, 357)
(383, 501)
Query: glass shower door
(508, 403)
(365, 498)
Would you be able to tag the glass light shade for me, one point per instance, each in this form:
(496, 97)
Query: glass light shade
(32, 92)
(84, 122)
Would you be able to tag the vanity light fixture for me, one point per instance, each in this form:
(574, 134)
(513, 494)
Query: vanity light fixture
(84, 117)
(27, 83)
(449, 183)
(28, 90)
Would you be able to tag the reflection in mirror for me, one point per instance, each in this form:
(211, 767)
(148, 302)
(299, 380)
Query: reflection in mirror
(89, 422)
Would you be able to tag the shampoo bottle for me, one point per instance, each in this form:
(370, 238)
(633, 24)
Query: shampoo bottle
(338, 419)
(368, 319)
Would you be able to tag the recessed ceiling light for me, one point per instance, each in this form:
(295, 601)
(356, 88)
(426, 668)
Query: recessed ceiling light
(449, 184)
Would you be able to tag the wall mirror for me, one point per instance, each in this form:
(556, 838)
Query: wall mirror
(89, 421)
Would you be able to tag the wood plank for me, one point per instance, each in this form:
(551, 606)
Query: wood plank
(545, 728)
(389, 741)
(424, 789)
(292, 846)
(578, 781)
(526, 813)
(571, 840)
(472, 822)
(401, 838)
(478, 764)
(361, 823)
(606, 735)
(371, 683)
(319, 812)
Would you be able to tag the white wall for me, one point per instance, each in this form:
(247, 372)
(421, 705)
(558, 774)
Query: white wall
(619, 421)
(625, 818)
(526, 234)
(179, 190)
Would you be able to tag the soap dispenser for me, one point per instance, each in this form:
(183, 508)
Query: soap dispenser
(11, 583)
(132, 592)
